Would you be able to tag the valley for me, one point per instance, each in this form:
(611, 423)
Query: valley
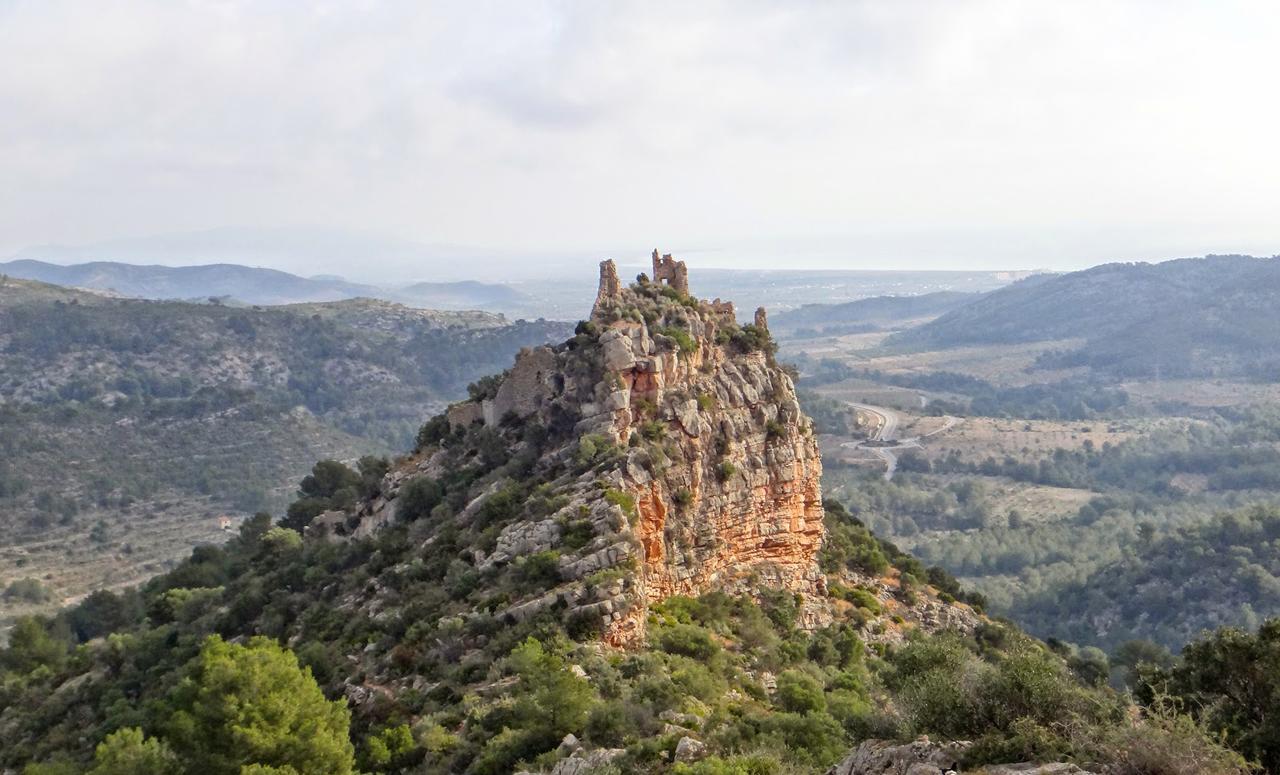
(1031, 484)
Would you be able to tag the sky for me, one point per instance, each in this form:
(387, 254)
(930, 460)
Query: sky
(922, 135)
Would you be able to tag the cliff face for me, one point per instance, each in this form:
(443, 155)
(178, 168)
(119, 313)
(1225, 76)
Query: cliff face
(733, 499)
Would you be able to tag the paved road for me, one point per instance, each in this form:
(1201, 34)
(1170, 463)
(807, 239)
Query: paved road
(886, 431)
(888, 422)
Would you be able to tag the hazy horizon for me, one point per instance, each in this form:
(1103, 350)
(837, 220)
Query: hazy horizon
(987, 135)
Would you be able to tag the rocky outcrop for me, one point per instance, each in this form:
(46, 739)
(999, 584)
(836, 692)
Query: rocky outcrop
(925, 757)
(720, 471)
(922, 757)
(712, 479)
(723, 466)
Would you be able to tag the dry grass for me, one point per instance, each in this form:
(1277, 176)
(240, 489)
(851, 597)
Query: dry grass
(979, 437)
(140, 543)
(1203, 393)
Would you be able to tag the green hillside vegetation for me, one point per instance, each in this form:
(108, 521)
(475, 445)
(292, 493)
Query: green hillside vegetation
(1169, 588)
(160, 676)
(127, 426)
(1213, 316)
(405, 650)
(1171, 539)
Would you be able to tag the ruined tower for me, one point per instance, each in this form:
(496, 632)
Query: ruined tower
(668, 271)
(762, 318)
(609, 285)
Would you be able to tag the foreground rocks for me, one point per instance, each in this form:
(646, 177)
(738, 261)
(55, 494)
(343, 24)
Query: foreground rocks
(925, 757)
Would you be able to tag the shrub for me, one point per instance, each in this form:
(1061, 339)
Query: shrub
(686, 343)
(688, 640)
(418, 498)
(799, 692)
(725, 470)
(540, 570)
(28, 590)
(653, 430)
(624, 501)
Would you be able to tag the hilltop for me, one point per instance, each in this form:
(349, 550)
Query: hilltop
(1195, 317)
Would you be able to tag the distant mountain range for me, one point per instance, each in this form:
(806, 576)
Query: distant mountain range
(1212, 316)
(255, 285)
(873, 312)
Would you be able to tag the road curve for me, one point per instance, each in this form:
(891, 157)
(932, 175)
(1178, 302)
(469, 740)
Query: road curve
(886, 432)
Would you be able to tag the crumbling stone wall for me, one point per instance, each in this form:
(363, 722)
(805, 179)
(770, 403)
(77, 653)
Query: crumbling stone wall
(610, 288)
(668, 271)
(724, 308)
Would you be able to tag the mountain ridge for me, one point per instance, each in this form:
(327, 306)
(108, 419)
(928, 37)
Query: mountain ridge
(254, 285)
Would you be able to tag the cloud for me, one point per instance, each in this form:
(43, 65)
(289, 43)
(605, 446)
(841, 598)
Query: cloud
(989, 132)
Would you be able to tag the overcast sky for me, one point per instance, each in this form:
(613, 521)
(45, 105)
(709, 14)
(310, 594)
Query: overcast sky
(898, 134)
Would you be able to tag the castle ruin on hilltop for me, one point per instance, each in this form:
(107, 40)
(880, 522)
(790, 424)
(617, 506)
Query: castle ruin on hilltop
(668, 271)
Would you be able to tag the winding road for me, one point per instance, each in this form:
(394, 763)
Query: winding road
(887, 431)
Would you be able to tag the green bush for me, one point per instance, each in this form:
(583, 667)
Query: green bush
(799, 692)
(688, 640)
(417, 498)
(686, 343)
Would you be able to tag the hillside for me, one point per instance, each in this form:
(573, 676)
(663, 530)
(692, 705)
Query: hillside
(130, 426)
(253, 285)
(1213, 316)
(613, 557)
(873, 313)
(1225, 572)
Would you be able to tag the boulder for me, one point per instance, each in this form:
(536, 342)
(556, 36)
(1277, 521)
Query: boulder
(690, 750)
(585, 763)
(1028, 768)
(616, 346)
(882, 757)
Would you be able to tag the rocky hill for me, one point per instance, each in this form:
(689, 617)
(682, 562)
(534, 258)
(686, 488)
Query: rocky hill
(710, 476)
(1211, 316)
(614, 557)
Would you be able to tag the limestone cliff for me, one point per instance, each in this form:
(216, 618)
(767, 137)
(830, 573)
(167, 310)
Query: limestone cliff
(666, 427)
(728, 492)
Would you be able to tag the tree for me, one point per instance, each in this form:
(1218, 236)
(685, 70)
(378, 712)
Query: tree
(550, 702)
(799, 692)
(253, 705)
(327, 478)
(418, 498)
(1230, 679)
(128, 752)
(31, 646)
(103, 612)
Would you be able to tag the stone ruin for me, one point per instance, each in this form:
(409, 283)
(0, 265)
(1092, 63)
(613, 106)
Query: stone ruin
(670, 272)
(762, 318)
(534, 380)
(610, 288)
